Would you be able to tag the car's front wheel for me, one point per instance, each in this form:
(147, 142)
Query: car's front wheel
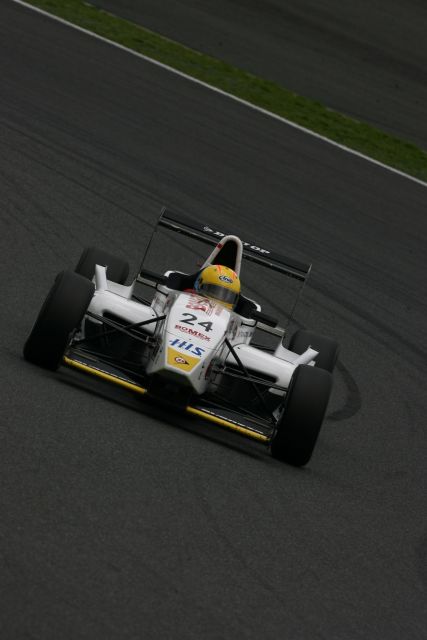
(305, 406)
(61, 313)
(117, 268)
(328, 349)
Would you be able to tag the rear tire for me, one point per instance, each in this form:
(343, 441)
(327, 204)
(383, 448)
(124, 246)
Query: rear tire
(117, 269)
(61, 313)
(302, 417)
(328, 349)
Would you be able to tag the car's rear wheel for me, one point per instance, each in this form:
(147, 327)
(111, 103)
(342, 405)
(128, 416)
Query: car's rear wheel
(328, 349)
(61, 313)
(305, 406)
(117, 269)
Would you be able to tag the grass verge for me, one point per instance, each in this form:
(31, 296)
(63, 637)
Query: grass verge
(359, 136)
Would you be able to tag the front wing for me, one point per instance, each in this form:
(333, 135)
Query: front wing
(223, 416)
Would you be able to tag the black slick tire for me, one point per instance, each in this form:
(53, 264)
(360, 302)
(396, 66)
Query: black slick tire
(328, 349)
(117, 269)
(304, 410)
(61, 313)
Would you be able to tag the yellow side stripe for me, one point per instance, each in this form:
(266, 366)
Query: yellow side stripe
(192, 410)
(105, 376)
(229, 425)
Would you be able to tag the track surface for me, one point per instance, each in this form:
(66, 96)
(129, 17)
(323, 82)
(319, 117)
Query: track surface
(119, 524)
(367, 59)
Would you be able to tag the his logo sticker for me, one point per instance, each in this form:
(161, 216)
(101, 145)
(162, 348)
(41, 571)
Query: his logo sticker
(226, 279)
(187, 346)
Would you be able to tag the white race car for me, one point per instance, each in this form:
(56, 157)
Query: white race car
(191, 345)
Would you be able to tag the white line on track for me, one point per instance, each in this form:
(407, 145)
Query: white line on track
(220, 91)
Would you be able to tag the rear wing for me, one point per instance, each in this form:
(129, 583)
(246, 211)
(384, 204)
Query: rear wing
(251, 251)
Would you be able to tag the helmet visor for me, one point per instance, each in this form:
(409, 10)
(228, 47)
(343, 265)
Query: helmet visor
(219, 293)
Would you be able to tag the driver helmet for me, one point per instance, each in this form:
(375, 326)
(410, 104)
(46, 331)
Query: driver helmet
(220, 283)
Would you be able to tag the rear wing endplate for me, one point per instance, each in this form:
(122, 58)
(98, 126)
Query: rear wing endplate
(251, 251)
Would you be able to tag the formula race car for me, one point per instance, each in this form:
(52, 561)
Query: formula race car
(190, 344)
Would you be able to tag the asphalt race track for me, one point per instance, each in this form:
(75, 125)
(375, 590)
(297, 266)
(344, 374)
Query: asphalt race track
(116, 522)
(367, 59)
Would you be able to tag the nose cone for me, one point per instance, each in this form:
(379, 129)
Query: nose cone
(195, 328)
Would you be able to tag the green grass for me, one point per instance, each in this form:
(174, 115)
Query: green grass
(360, 136)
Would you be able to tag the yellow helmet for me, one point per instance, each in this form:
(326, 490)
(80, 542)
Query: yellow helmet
(220, 283)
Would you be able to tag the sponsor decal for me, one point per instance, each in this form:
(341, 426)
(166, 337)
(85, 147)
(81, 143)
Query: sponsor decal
(192, 332)
(187, 346)
(226, 279)
(199, 303)
(248, 245)
(176, 360)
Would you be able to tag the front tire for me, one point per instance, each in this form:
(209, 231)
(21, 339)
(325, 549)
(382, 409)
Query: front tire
(61, 313)
(117, 269)
(328, 349)
(305, 406)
